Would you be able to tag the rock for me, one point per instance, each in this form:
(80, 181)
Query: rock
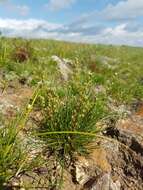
(137, 107)
(86, 168)
(81, 170)
(116, 162)
(130, 132)
(68, 61)
(105, 61)
(44, 177)
(119, 109)
(98, 158)
(11, 101)
(106, 183)
(64, 66)
(99, 89)
(68, 183)
(115, 186)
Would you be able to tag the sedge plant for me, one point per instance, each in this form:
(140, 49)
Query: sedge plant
(70, 118)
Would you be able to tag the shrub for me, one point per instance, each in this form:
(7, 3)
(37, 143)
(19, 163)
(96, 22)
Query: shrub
(22, 52)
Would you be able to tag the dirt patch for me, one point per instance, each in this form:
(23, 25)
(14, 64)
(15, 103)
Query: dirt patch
(13, 99)
(140, 111)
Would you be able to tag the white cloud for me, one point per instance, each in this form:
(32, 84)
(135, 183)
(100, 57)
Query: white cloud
(123, 11)
(128, 9)
(33, 28)
(30, 28)
(118, 35)
(56, 5)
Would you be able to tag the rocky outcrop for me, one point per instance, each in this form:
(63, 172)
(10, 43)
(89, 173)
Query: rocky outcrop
(117, 163)
(64, 66)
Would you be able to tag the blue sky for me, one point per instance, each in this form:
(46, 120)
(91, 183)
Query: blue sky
(92, 21)
(45, 9)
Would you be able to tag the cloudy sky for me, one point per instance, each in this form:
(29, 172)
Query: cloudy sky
(92, 21)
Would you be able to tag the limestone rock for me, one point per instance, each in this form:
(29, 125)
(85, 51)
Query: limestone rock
(64, 66)
(106, 183)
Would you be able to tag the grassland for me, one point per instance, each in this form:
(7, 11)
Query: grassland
(104, 79)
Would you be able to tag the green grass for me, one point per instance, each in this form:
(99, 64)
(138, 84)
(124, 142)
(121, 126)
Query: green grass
(11, 154)
(70, 118)
(13, 151)
(122, 83)
(72, 110)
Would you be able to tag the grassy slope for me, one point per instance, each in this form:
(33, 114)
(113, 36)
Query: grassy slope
(118, 70)
(123, 83)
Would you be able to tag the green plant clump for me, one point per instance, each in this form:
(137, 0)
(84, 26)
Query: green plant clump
(69, 123)
(12, 155)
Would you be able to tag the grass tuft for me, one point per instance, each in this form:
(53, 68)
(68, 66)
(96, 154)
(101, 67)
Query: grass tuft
(70, 120)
